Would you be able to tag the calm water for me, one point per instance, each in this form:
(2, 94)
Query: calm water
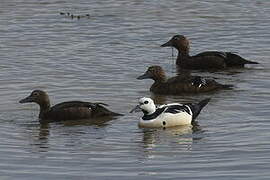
(98, 59)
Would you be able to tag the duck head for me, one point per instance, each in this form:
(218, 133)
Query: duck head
(179, 42)
(154, 72)
(39, 97)
(146, 105)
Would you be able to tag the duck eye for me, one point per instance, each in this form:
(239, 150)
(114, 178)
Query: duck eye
(146, 102)
(35, 94)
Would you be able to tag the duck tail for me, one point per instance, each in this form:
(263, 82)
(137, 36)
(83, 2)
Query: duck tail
(236, 60)
(226, 86)
(117, 114)
(251, 62)
(196, 108)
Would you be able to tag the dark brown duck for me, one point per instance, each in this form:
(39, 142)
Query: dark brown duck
(71, 110)
(184, 83)
(204, 60)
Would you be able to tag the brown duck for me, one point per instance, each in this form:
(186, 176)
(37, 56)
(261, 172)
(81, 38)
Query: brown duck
(71, 110)
(184, 83)
(204, 60)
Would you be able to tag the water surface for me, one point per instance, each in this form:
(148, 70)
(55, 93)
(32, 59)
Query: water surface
(98, 59)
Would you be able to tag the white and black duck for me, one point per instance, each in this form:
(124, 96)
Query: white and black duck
(167, 115)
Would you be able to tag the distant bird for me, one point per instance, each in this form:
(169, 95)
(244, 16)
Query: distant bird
(183, 83)
(204, 60)
(71, 110)
(167, 115)
(72, 16)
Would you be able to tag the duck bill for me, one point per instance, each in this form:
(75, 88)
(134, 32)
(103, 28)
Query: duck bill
(136, 109)
(144, 76)
(26, 100)
(167, 44)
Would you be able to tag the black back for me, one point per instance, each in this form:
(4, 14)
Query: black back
(196, 108)
(173, 109)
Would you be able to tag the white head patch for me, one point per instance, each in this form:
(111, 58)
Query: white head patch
(147, 104)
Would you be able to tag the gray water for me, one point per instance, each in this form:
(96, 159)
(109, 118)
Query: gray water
(98, 59)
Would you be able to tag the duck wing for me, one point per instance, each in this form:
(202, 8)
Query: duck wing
(181, 78)
(72, 110)
(196, 81)
(70, 104)
(231, 59)
(206, 60)
(206, 85)
(187, 84)
(184, 84)
(177, 108)
(219, 54)
(234, 60)
(99, 111)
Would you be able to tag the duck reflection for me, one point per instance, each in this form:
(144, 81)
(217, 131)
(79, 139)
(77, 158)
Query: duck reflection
(182, 135)
(41, 132)
(99, 122)
(44, 132)
(158, 142)
(39, 136)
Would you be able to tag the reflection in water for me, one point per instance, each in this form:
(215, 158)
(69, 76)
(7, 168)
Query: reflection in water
(196, 127)
(181, 135)
(40, 137)
(100, 59)
(44, 131)
(156, 136)
(99, 122)
(41, 132)
(158, 142)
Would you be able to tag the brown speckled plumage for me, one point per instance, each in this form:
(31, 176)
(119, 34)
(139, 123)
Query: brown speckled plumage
(204, 60)
(184, 83)
(71, 110)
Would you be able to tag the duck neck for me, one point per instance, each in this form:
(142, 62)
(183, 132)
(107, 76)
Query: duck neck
(183, 54)
(159, 83)
(44, 108)
(160, 78)
(150, 110)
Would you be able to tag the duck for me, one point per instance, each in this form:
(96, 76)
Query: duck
(75, 16)
(70, 110)
(167, 115)
(183, 83)
(205, 60)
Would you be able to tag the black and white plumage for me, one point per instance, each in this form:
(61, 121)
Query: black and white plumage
(168, 115)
